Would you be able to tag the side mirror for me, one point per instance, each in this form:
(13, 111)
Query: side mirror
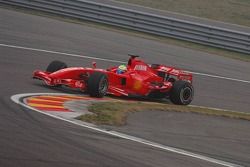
(94, 64)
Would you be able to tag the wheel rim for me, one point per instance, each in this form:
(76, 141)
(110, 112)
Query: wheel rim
(103, 86)
(186, 94)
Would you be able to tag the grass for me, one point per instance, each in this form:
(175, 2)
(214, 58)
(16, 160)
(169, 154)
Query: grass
(231, 11)
(166, 40)
(115, 113)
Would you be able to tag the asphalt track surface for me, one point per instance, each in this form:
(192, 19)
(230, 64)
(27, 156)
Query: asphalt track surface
(31, 139)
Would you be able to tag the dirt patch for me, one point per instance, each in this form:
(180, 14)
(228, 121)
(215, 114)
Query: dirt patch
(115, 113)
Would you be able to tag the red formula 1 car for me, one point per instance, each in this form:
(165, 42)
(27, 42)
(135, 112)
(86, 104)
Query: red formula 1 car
(136, 79)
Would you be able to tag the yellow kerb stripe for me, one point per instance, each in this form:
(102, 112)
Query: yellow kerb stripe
(66, 97)
(43, 100)
(45, 106)
(55, 97)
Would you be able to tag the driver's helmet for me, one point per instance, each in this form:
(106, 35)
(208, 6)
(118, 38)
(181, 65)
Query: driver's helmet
(121, 69)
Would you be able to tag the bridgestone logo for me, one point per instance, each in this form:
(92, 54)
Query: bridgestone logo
(140, 68)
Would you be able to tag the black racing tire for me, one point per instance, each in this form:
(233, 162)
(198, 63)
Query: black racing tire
(98, 84)
(55, 66)
(182, 93)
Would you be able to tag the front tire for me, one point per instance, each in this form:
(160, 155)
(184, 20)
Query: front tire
(55, 66)
(182, 93)
(97, 84)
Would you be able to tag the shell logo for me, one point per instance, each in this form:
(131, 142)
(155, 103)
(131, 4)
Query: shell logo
(137, 85)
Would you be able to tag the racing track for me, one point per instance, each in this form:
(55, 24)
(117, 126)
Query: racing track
(30, 139)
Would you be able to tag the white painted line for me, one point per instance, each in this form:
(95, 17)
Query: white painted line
(16, 99)
(220, 77)
(219, 109)
(61, 53)
(112, 60)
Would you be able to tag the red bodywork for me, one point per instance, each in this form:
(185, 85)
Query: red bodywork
(140, 79)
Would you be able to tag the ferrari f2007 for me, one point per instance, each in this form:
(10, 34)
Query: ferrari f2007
(134, 79)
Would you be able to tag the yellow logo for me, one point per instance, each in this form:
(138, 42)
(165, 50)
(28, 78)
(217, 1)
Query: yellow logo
(137, 85)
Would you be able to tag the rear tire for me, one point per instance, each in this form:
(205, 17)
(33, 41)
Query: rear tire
(97, 84)
(55, 66)
(182, 93)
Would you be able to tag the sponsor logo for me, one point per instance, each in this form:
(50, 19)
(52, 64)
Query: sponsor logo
(140, 68)
(78, 84)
